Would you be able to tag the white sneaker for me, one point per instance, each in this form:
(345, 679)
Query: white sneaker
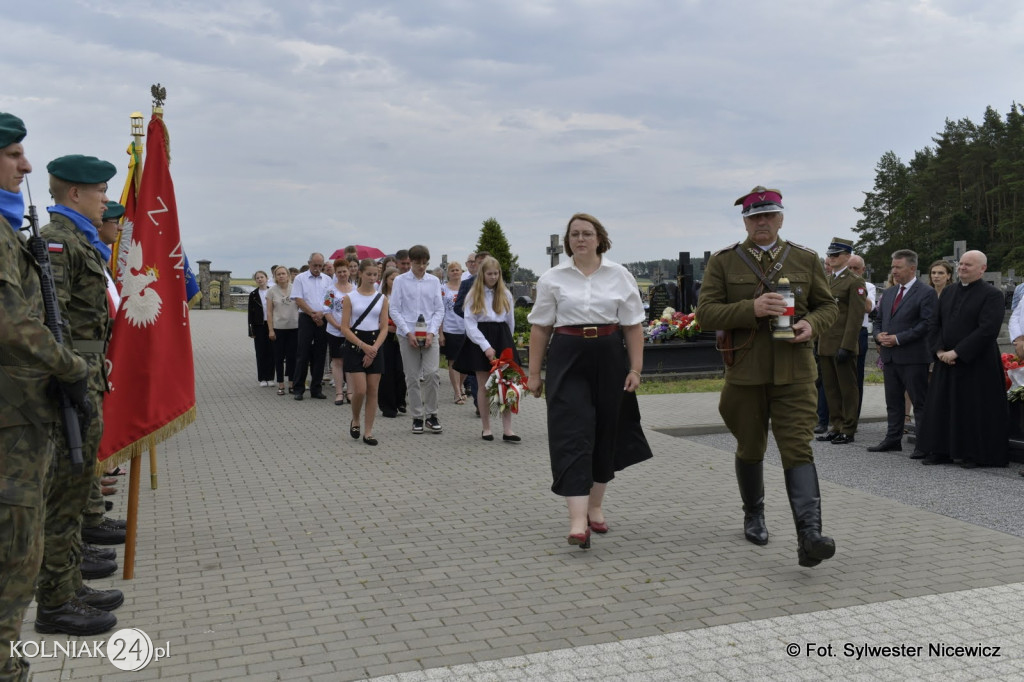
(264, 383)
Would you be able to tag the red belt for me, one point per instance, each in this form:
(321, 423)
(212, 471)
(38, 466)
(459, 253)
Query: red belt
(588, 331)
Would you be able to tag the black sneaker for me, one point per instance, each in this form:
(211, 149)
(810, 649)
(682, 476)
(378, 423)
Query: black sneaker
(401, 408)
(73, 617)
(433, 424)
(104, 600)
(104, 534)
(98, 552)
(417, 426)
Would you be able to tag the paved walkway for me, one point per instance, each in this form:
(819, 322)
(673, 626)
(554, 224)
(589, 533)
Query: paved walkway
(278, 548)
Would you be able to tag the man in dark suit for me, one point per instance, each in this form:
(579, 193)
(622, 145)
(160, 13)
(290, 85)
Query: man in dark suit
(901, 331)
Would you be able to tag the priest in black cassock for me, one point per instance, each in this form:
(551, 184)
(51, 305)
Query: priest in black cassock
(966, 408)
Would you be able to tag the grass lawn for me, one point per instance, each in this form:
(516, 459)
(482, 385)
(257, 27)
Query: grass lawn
(653, 386)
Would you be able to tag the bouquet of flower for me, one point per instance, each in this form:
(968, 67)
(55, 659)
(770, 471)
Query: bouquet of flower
(1013, 371)
(505, 384)
(672, 324)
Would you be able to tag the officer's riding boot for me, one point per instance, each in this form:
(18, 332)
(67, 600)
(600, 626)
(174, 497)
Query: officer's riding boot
(805, 500)
(750, 476)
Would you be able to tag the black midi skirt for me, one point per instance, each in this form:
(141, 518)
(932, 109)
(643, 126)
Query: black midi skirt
(472, 359)
(593, 425)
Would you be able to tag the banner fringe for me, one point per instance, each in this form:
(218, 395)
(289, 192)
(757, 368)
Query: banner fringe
(141, 446)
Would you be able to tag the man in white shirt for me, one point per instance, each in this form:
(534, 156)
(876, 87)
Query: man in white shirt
(308, 292)
(418, 293)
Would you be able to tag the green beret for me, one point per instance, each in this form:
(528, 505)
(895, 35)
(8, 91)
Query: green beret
(12, 129)
(81, 170)
(114, 211)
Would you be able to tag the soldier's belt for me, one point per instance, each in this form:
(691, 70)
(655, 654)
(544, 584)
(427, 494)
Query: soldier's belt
(89, 346)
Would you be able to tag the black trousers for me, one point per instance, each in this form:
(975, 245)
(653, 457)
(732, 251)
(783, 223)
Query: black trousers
(284, 353)
(264, 352)
(912, 379)
(310, 355)
(861, 359)
(391, 391)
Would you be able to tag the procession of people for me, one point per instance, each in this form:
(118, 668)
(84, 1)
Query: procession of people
(384, 323)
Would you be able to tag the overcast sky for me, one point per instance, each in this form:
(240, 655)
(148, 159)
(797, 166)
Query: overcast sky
(311, 125)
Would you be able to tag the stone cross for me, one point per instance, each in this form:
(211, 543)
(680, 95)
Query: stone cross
(657, 276)
(554, 250)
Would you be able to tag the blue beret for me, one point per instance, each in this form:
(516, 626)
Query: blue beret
(81, 170)
(12, 129)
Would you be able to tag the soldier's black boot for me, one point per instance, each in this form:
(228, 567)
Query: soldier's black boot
(94, 552)
(104, 600)
(805, 500)
(750, 477)
(73, 617)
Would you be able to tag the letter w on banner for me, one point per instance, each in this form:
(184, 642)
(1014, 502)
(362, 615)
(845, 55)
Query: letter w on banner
(149, 362)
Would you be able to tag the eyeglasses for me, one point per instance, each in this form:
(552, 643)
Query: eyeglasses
(582, 235)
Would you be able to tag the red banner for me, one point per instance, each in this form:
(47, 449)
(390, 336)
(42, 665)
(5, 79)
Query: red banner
(149, 362)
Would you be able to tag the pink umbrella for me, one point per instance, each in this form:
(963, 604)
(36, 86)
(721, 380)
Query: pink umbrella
(361, 251)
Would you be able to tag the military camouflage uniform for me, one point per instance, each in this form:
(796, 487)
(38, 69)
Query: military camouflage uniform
(79, 273)
(768, 377)
(840, 378)
(29, 356)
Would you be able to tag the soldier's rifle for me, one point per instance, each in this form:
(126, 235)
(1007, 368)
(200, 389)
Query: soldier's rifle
(68, 413)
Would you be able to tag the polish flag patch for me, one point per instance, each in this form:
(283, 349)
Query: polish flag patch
(55, 247)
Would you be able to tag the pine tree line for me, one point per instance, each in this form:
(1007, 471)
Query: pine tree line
(968, 186)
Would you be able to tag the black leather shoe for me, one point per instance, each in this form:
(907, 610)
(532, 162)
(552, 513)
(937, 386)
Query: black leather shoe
(117, 523)
(99, 552)
(831, 435)
(96, 568)
(821, 428)
(933, 459)
(968, 464)
(104, 534)
(74, 617)
(887, 446)
(298, 396)
(842, 439)
(918, 455)
(104, 600)
(318, 396)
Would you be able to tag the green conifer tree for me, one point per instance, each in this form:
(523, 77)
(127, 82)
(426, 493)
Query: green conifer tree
(492, 240)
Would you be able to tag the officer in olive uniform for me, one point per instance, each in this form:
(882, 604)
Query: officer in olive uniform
(96, 527)
(78, 185)
(766, 376)
(839, 345)
(29, 357)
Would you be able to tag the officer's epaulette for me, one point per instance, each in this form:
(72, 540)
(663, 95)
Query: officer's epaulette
(801, 246)
(728, 248)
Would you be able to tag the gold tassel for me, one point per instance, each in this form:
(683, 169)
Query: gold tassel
(140, 446)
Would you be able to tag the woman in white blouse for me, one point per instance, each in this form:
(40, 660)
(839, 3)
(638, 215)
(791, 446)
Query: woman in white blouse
(589, 308)
(490, 322)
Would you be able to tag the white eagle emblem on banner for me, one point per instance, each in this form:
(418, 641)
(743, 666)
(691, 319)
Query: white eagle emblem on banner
(141, 303)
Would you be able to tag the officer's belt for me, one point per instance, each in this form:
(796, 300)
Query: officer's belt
(89, 346)
(775, 269)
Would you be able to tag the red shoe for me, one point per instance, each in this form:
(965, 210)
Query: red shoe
(581, 539)
(597, 527)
